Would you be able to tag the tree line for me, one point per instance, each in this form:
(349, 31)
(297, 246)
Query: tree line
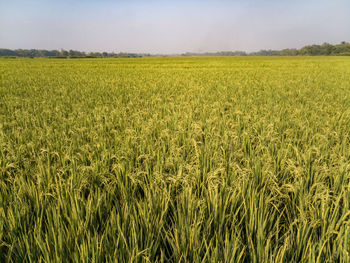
(326, 49)
(34, 53)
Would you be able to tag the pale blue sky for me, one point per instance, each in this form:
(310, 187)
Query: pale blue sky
(166, 26)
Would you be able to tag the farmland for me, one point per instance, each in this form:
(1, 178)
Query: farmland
(175, 159)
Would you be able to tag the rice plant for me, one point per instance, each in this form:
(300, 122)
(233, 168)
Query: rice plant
(175, 160)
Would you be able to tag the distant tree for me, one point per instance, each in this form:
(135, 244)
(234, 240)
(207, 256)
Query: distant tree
(288, 52)
(7, 52)
(64, 53)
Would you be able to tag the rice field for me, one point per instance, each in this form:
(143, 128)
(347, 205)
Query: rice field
(175, 160)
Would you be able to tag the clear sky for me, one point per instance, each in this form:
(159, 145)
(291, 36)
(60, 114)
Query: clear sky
(164, 26)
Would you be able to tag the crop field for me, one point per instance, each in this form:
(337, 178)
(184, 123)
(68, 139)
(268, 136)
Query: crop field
(175, 160)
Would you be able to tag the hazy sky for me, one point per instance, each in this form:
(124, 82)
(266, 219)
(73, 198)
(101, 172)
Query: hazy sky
(164, 26)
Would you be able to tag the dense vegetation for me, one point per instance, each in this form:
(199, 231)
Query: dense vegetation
(175, 160)
(342, 49)
(35, 53)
